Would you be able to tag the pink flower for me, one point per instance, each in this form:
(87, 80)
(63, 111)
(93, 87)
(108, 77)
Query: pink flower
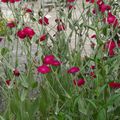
(43, 21)
(73, 70)
(114, 85)
(43, 69)
(16, 72)
(21, 34)
(11, 24)
(55, 63)
(29, 32)
(48, 59)
(43, 37)
(79, 82)
(60, 27)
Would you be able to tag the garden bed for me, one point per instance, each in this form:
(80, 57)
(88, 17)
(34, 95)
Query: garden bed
(60, 63)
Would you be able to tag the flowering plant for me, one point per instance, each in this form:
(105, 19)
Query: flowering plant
(63, 67)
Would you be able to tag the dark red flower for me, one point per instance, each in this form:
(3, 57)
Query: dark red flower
(73, 70)
(94, 11)
(79, 82)
(17, 0)
(71, 7)
(1, 39)
(21, 34)
(114, 85)
(43, 69)
(93, 36)
(12, 1)
(28, 10)
(11, 24)
(43, 37)
(48, 59)
(60, 27)
(57, 20)
(43, 21)
(90, 1)
(8, 82)
(5, 1)
(16, 72)
(92, 74)
(92, 66)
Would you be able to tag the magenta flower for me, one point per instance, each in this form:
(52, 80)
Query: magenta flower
(21, 34)
(55, 63)
(73, 70)
(29, 32)
(48, 59)
(43, 69)
(112, 20)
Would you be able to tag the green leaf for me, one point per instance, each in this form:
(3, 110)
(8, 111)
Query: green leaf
(101, 115)
(92, 103)
(4, 51)
(23, 95)
(113, 98)
(1, 118)
(81, 106)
